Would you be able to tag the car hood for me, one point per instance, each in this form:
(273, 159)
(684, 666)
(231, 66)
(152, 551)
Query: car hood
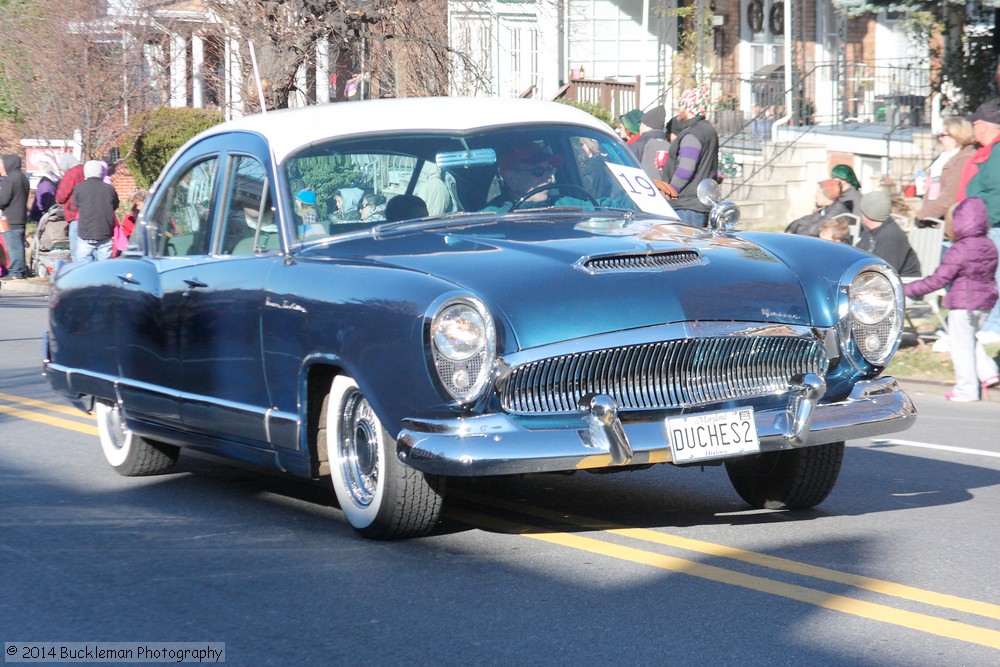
(559, 279)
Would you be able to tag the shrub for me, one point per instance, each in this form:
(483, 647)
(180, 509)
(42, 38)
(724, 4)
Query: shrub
(594, 110)
(155, 136)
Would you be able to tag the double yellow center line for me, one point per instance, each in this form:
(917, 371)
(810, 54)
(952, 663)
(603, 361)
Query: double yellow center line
(26, 408)
(934, 625)
(9, 406)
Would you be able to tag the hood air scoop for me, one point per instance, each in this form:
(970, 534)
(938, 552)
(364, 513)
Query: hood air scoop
(666, 260)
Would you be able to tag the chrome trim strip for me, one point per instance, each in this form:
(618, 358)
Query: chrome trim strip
(659, 333)
(496, 444)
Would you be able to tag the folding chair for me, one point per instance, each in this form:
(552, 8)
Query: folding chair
(904, 222)
(927, 243)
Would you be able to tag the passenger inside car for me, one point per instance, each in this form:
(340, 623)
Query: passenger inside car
(405, 207)
(267, 238)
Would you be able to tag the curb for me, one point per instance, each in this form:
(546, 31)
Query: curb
(919, 387)
(27, 286)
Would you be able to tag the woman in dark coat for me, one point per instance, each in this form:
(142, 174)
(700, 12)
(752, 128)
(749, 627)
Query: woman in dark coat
(14, 203)
(828, 206)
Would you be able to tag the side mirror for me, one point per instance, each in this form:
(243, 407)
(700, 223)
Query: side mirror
(724, 214)
(708, 192)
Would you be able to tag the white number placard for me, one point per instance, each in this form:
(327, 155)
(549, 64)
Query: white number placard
(641, 189)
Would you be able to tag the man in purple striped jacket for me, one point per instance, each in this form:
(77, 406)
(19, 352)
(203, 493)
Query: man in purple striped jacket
(693, 155)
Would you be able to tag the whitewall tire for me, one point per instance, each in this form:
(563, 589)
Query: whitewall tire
(380, 497)
(130, 454)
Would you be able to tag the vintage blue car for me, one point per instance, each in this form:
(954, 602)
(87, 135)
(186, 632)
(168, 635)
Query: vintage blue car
(392, 293)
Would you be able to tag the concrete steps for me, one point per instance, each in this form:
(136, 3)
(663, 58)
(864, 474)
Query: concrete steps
(784, 189)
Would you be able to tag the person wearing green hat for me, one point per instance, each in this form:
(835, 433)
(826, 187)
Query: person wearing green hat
(850, 187)
(628, 125)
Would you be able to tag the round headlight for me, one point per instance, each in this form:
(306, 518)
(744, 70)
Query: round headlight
(463, 345)
(873, 317)
(459, 332)
(873, 298)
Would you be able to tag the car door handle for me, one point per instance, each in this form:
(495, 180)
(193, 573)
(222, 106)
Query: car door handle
(128, 279)
(190, 282)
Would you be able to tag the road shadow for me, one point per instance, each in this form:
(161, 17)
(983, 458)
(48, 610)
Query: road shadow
(873, 479)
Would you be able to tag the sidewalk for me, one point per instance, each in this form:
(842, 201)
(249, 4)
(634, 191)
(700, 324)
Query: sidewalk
(27, 286)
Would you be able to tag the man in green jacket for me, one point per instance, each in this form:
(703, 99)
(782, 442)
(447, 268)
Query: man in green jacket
(981, 178)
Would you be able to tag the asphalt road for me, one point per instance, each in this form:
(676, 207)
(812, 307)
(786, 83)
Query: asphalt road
(663, 566)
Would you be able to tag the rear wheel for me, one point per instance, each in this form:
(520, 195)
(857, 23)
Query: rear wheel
(380, 497)
(789, 479)
(130, 454)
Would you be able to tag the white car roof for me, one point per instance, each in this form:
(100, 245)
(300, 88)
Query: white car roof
(288, 129)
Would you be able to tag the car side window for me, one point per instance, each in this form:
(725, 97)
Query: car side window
(182, 225)
(248, 209)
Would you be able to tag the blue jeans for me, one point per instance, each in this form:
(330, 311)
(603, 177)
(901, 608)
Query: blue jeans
(74, 238)
(992, 322)
(88, 251)
(14, 240)
(689, 217)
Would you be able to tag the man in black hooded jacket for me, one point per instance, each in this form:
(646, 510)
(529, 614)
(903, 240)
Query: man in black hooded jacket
(14, 204)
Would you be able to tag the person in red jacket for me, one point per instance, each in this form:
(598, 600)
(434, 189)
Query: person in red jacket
(969, 265)
(127, 224)
(72, 176)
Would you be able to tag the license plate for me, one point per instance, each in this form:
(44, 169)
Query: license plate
(712, 435)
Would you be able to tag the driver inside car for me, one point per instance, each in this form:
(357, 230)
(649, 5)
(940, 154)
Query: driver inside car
(525, 167)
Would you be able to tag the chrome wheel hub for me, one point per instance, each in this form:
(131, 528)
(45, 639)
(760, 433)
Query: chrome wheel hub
(358, 448)
(117, 432)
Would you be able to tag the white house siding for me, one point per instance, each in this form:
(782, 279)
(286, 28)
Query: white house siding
(618, 39)
(514, 45)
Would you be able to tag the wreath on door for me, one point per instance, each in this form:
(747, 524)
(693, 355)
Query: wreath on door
(776, 20)
(755, 15)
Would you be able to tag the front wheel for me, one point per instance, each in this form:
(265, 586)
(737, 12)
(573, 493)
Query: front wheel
(380, 497)
(130, 454)
(788, 479)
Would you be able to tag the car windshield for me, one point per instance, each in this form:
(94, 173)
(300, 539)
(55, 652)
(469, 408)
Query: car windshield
(345, 185)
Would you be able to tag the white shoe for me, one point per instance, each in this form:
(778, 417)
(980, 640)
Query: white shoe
(988, 337)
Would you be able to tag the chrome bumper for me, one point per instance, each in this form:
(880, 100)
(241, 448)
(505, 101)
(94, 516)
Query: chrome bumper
(497, 445)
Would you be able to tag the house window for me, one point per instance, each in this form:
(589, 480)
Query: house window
(762, 28)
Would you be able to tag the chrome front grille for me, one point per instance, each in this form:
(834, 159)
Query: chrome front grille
(670, 259)
(667, 374)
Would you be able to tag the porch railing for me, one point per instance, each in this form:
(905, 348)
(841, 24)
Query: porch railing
(618, 97)
(883, 95)
(888, 92)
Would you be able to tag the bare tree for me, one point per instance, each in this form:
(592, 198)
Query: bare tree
(67, 66)
(389, 48)
(285, 35)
